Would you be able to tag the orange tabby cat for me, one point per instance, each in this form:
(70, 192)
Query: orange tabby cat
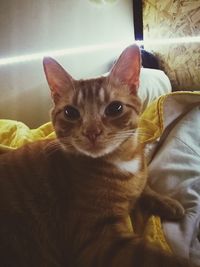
(65, 202)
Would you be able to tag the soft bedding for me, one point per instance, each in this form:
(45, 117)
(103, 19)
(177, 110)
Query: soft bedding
(174, 165)
(170, 128)
(153, 83)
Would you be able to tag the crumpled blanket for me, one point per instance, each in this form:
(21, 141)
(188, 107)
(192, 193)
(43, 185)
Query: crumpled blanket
(168, 114)
(174, 164)
(14, 134)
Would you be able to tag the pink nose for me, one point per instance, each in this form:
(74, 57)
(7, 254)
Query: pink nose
(92, 134)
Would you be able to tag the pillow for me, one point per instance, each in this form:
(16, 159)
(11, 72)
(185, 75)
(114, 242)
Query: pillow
(153, 83)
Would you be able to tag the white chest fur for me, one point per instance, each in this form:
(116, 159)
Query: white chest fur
(132, 166)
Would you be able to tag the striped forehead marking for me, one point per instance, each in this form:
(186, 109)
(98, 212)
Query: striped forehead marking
(79, 97)
(90, 92)
(102, 94)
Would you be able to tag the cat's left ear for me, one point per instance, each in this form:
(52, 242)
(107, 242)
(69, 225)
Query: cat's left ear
(58, 79)
(126, 70)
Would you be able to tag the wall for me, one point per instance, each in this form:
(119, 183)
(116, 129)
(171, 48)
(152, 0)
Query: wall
(168, 19)
(28, 27)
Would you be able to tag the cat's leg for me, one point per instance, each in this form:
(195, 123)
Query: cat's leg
(164, 206)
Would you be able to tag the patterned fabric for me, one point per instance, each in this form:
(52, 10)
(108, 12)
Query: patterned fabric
(166, 20)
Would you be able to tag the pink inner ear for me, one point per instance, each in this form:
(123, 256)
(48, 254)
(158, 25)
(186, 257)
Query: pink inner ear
(58, 79)
(127, 68)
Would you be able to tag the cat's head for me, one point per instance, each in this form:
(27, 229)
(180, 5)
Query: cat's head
(96, 116)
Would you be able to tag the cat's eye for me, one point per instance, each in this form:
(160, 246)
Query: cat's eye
(114, 109)
(72, 113)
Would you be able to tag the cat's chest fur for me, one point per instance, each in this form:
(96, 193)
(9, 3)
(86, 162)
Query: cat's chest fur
(103, 192)
(101, 187)
(132, 166)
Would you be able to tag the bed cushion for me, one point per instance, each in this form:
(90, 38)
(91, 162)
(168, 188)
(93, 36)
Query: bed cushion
(153, 83)
(174, 123)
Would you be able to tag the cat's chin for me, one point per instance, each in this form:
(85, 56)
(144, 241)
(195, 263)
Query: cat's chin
(95, 152)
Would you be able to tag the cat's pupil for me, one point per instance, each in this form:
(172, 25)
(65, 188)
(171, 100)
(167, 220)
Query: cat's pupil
(115, 108)
(72, 113)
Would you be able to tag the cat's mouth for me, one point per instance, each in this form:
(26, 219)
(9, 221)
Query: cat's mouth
(93, 150)
(96, 149)
(102, 145)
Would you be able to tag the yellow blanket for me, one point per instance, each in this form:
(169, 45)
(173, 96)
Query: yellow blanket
(14, 134)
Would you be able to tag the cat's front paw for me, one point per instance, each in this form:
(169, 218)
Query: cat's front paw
(171, 209)
(164, 206)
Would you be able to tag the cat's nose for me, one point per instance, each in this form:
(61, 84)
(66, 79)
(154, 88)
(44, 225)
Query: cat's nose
(92, 134)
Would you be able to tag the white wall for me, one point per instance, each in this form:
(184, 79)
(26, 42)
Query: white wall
(28, 27)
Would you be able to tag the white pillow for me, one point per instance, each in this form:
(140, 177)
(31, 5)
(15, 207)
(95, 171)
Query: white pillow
(153, 83)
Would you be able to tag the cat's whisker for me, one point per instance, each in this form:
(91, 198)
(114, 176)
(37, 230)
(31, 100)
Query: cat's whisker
(123, 134)
(140, 130)
(115, 138)
(147, 135)
(127, 134)
(121, 137)
(118, 139)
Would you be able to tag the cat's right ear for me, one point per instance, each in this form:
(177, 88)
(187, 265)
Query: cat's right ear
(58, 79)
(126, 70)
